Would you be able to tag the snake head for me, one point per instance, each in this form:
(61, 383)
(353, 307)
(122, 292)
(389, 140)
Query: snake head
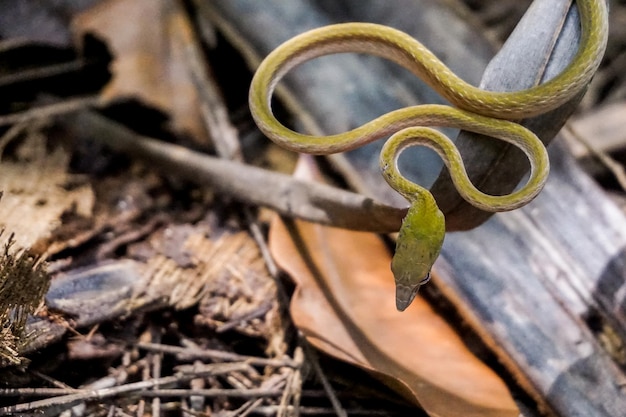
(417, 247)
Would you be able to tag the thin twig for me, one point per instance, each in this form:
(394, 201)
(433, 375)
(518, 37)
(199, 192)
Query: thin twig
(214, 355)
(50, 380)
(215, 113)
(234, 321)
(36, 392)
(316, 202)
(313, 359)
(246, 408)
(196, 402)
(68, 401)
(297, 380)
(271, 410)
(290, 400)
(42, 72)
(10, 135)
(157, 359)
(212, 393)
(612, 165)
(56, 109)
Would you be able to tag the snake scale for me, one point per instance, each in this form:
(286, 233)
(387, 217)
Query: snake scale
(486, 112)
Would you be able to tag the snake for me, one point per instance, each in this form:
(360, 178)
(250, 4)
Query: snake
(492, 113)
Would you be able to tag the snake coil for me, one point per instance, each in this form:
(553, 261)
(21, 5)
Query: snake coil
(485, 112)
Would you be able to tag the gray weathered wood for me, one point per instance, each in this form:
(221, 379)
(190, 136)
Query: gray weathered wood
(537, 283)
(550, 28)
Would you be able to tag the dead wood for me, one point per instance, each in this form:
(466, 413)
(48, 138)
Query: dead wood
(530, 282)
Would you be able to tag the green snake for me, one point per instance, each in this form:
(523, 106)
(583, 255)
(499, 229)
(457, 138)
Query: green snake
(486, 112)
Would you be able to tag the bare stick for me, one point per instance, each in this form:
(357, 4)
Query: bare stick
(310, 201)
(214, 354)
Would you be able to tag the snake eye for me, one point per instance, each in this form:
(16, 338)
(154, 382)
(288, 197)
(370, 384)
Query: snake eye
(425, 280)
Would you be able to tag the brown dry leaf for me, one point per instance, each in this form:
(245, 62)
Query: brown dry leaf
(35, 194)
(148, 39)
(344, 304)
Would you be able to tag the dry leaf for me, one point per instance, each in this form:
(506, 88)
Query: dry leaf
(148, 39)
(34, 193)
(344, 304)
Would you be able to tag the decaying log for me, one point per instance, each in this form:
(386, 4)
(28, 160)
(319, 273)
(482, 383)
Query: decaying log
(544, 285)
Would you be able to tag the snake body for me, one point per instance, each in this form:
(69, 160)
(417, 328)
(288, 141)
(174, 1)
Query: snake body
(486, 112)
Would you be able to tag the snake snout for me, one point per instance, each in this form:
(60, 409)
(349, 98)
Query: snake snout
(405, 294)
